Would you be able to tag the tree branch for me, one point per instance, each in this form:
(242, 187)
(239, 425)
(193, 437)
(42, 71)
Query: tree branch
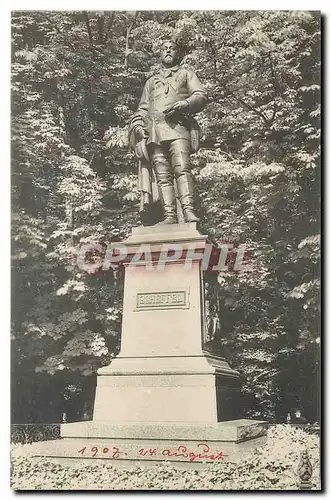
(88, 27)
(111, 16)
(100, 24)
(213, 51)
(275, 85)
(128, 31)
(94, 49)
(249, 107)
(225, 153)
(60, 32)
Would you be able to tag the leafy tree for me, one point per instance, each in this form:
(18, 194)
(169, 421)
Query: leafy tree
(76, 79)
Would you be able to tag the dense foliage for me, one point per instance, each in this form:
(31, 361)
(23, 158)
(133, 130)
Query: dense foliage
(273, 467)
(76, 79)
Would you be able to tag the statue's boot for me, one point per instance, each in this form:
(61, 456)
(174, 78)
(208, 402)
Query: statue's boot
(169, 204)
(185, 188)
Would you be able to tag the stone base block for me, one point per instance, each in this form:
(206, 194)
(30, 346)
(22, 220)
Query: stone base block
(185, 444)
(167, 389)
(235, 431)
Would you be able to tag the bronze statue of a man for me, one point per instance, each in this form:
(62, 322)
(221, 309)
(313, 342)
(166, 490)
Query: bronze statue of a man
(164, 125)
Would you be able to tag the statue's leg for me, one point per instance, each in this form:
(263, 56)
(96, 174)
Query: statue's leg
(164, 176)
(180, 159)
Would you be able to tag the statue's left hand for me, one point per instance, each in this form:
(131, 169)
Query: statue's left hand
(175, 108)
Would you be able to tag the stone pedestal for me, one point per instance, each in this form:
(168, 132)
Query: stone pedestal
(164, 391)
(162, 373)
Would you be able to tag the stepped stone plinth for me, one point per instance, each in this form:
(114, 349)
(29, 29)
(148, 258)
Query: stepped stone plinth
(164, 397)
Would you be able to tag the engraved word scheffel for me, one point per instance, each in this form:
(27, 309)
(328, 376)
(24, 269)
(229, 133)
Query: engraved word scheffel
(163, 300)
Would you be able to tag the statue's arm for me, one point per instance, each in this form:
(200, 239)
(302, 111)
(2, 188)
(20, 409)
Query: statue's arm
(139, 118)
(197, 99)
(143, 105)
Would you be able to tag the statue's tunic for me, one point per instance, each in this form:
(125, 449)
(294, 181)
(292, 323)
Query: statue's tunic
(161, 90)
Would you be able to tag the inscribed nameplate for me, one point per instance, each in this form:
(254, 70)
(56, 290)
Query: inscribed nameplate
(162, 300)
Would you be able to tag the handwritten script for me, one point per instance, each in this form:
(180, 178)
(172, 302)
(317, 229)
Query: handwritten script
(112, 452)
(202, 452)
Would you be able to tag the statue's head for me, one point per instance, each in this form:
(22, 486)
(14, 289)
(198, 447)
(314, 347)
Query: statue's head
(170, 53)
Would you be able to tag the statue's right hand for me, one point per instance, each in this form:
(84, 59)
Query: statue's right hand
(141, 133)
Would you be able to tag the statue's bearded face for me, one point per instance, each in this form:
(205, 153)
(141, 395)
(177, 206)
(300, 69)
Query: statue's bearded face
(169, 54)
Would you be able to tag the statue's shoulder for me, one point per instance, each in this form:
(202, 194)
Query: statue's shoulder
(153, 72)
(185, 72)
(184, 67)
(188, 70)
(149, 77)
